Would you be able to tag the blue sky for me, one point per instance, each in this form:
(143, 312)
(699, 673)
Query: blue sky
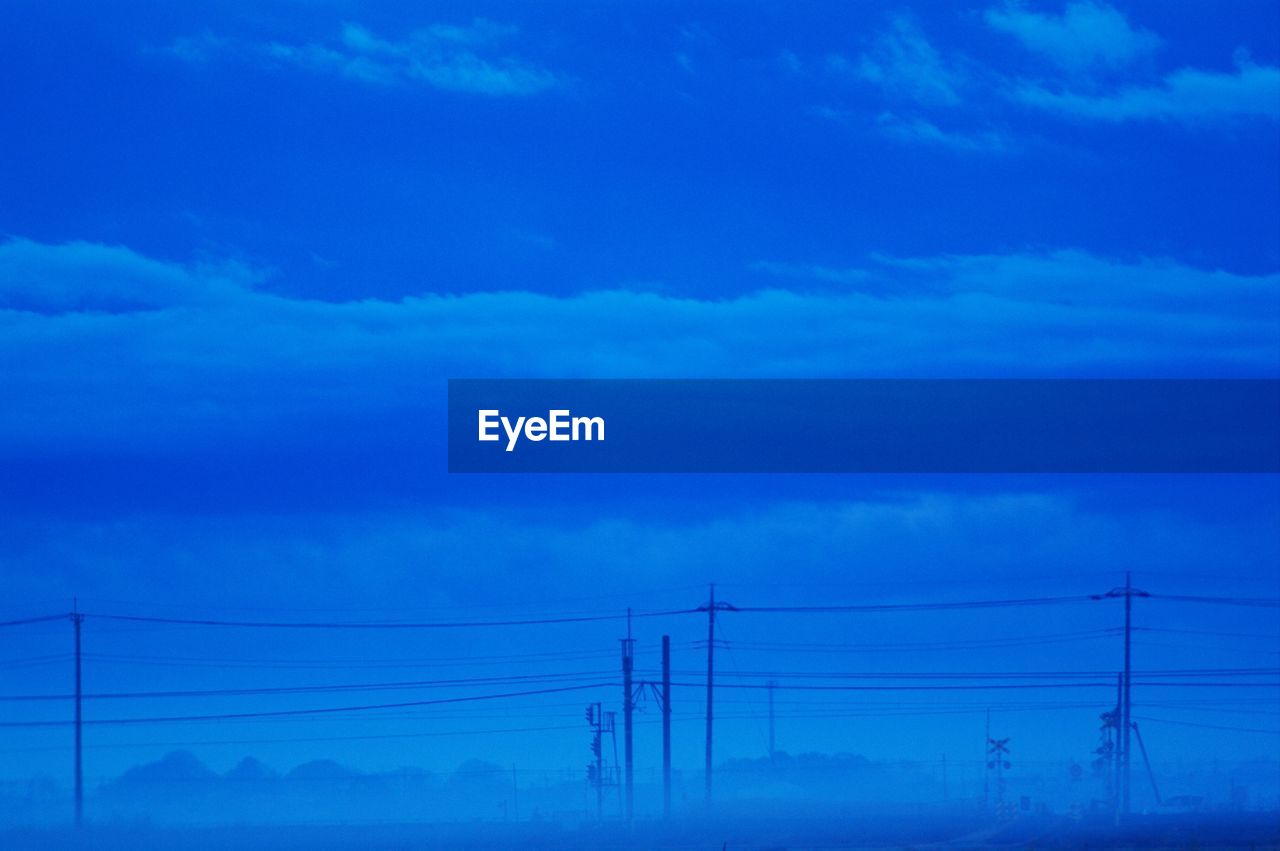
(243, 247)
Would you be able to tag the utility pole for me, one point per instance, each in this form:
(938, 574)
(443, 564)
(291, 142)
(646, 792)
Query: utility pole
(76, 620)
(628, 703)
(772, 685)
(986, 774)
(711, 666)
(666, 726)
(1128, 688)
(1128, 592)
(711, 608)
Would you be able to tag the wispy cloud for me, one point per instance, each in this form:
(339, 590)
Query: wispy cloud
(916, 82)
(1189, 96)
(1090, 37)
(1086, 35)
(467, 59)
(903, 62)
(914, 129)
(923, 131)
(1092, 70)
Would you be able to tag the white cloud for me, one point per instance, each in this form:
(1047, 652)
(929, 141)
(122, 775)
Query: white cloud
(1092, 50)
(1078, 278)
(199, 48)
(1086, 35)
(917, 130)
(905, 65)
(920, 130)
(101, 344)
(464, 59)
(1188, 96)
(88, 277)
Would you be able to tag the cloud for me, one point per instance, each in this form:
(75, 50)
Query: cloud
(1189, 96)
(429, 558)
(452, 58)
(920, 130)
(914, 129)
(201, 48)
(102, 346)
(1078, 278)
(87, 277)
(903, 63)
(1085, 36)
(813, 272)
(1091, 49)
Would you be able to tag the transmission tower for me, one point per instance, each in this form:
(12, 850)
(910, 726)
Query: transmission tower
(1107, 764)
(600, 722)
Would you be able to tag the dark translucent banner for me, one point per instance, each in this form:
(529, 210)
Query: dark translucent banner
(863, 426)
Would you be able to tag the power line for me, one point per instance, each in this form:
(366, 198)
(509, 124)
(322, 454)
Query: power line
(1274, 636)
(686, 718)
(305, 739)
(1185, 646)
(980, 687)
(588, 618)
(315, 689)
(1262, 602)
(39, 619)
(919, 607)
(31, 661)
(989, 675)
(616, 595)
(1209, 726)
(297, 712)
(376, 624)
(346, 664)
(961, 644)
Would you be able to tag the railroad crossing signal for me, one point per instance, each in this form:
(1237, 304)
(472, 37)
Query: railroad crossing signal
(996, 749)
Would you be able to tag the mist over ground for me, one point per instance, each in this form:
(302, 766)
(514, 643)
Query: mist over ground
(794, 802)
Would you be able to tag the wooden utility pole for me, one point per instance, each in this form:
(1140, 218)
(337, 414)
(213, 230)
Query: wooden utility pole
(666, 726)
(76, 620)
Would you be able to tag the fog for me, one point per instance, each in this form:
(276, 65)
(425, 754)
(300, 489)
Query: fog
(785, 801)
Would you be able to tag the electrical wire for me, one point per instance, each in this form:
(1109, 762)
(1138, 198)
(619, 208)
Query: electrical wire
(913, 607)
(1264, 602)
(39, 619)
(1208, 726)
(282, 713)
(315, 689)
(378, 624)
